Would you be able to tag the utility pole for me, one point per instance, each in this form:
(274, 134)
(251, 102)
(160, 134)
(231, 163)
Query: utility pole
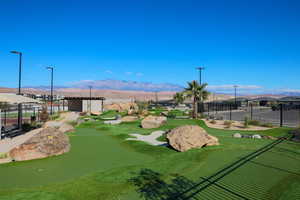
(51, 96)
(200, 74)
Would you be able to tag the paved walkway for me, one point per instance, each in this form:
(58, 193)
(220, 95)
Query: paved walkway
(151, 139)
(7, 144)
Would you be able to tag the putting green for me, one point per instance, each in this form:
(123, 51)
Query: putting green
(101, 162)
(91, 151)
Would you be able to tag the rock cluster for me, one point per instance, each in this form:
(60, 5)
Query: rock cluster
(121, 107)
(255, 136)
(187, 137)
(153, 121)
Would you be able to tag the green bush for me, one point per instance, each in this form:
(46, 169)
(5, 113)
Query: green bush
(246, 122)
(27, 127)
(3, 155)
(228, 123)
(267, 125)
(213, 121)
(254, 122)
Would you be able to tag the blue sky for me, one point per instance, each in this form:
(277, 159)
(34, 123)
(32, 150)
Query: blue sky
(243, 42)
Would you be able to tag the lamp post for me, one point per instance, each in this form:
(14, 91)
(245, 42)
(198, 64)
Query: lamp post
(20, 69)
(51, 96)
(19, 87)
(235, 87)
(200, 74)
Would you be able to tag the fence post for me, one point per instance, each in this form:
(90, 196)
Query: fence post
(208, 108)
(230, 112)
(281, 115)
(0, 125)
(251, 111)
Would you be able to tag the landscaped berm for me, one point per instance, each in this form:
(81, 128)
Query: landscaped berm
(101, 162)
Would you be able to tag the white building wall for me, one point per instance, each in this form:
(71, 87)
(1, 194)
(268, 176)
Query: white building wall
(96, 106)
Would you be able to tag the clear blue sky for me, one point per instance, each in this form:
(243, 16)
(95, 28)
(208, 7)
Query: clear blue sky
(245, 42)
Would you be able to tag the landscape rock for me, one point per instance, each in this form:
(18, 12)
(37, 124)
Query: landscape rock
(256, 136)
(113, 122)
(129, 118)
(66, 128)
(153, 121)
(269, 137)
(48, 142)
(187, 137)
(237, 135)
(121, 107)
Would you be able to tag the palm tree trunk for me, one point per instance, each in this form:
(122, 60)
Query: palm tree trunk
(194, 108)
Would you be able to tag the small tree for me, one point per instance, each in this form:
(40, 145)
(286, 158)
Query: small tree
(198, 93)
(179, 98)
(44, 116)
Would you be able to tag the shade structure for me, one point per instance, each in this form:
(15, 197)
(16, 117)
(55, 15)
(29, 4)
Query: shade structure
(16, 99)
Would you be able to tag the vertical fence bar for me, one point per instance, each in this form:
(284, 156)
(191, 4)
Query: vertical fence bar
(251, 111)
(208, 108)
(230, 112)
(281, 115)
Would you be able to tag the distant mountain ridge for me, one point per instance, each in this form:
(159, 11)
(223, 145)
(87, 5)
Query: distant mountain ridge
(118, 85)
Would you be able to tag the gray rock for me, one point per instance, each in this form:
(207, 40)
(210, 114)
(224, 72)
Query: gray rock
(237, 135)
(256, 136)
(113, 122)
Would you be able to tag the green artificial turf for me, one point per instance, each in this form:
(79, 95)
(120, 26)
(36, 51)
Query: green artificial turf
(101, 163)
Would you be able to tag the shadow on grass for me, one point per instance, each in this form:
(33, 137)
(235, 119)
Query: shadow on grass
(151, 186)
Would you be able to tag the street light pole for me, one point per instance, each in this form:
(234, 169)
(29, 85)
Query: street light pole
(19, 87)
(200, 74)
(51, 96)
(235, 87)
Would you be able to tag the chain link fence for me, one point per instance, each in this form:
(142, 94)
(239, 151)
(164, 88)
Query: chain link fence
(281, 114)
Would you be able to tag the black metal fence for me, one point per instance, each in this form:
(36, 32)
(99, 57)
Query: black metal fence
(30, 113)
(281, 114)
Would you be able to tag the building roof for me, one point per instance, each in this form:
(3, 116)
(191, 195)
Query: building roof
(16, 99)
(84, 98)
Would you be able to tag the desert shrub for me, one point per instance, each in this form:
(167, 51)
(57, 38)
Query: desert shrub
(83, 113)
(246, 122)
(27, 127)
(3, 155)
(202, 116)
(171, 115)
(228, 123)
(54, 116)
(44, 116)
(254, 122)
(213, 121)
(267, 125)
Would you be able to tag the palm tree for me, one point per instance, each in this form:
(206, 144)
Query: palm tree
(197, 92)
(179, 97)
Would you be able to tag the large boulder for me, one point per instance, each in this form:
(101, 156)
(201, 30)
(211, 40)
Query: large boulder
(66, 128)
(187, 137)
(48, 142)
(129, 118)
(153, 121)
